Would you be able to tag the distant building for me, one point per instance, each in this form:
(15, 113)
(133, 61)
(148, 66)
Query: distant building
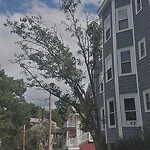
(122, 72)
(74, 136)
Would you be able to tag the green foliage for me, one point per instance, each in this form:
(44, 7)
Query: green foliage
(136, 143)
(57, 118)
(62, 107)
(37, 138)
(53, 61)
(14, 111)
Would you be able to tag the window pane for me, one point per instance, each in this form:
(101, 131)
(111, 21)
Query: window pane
(125, 56)
(101, 87)
(107, 23)
(123, 14)
(107, 34)
(103, 119)
(123, 24)
(112, 119)
(109, 63)
(147, 96)
(109, 74)
(139, 6)
(142, 49)
(131, 116)
(111, 106)
(148, 105)
(126, 67)
(129, 104)
(100, 54)
(142, 53)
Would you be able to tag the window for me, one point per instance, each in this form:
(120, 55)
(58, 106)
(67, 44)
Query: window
(146, 95)
(111, 114)
(138, 5)
(103, 119)
(123, 18)
(142, 48)
(101, 83)
(108, 68)
(126, 61)
(129, 106)
(130, 111)
(107, 28)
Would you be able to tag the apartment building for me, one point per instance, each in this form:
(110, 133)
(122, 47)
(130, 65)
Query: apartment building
(122, 72)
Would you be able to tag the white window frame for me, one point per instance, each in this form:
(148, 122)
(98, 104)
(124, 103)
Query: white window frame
(108, 113)
(106, 28)
(139, 48)
(144, 97)
(132, 56)
(136, 6)
(101, 81)
(134, 123)
(106, 67)
(103, 118)
(129, 11)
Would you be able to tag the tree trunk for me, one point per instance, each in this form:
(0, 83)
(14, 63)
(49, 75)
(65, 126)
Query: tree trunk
(99, 141)
(98, 145)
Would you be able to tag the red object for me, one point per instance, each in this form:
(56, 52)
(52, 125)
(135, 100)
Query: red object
(87, 146)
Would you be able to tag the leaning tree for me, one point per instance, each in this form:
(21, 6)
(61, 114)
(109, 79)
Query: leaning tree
(47, 61)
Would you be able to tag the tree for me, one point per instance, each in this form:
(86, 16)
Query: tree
(45, 55)
(14, 111)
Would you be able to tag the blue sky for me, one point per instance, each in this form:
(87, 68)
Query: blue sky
(15, 6)
(49, 10)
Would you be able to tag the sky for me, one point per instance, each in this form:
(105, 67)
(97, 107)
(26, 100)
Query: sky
(51, 14)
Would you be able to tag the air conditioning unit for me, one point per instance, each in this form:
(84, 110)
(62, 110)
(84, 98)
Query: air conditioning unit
(134, 122)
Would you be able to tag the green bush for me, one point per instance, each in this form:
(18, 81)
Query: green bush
(137, 143)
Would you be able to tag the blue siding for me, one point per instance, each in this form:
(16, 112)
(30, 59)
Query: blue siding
(124, 39)
(106, 12)
(127, 84)
(113, 135)
(142, 29)
(131, 132)
(120, 3)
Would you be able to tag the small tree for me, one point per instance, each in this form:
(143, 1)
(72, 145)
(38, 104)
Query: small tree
(43, 51)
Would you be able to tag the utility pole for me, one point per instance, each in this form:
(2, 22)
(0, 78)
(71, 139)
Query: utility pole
(50, 118)
(24, 134)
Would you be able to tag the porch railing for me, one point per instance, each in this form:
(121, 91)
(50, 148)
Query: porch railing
(75, 142)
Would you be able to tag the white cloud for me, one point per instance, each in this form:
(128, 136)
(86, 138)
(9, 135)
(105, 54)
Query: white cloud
(50, 16)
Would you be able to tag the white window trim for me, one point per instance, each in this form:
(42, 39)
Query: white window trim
(136, 7)
(108, 110)
(105, 29)
(100, 81)
(102, 109)
(139, 45)
(132, 55)
(145, 106)
(130, 24)
(106, 59)
(137, 108)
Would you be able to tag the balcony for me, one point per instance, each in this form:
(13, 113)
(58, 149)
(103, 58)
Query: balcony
(75, 142)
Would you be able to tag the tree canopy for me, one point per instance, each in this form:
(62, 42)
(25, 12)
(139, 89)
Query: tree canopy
(14, 111)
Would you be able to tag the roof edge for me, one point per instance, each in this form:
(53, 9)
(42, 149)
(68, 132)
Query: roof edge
(101, 7)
